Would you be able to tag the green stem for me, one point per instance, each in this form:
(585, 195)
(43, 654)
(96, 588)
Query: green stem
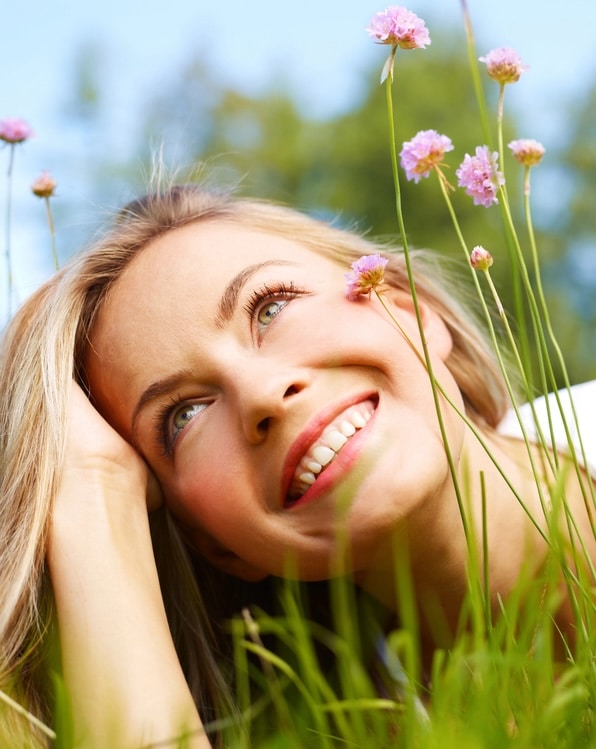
(426, 354)
(572, 578)
(493, 336)
(561, 360)
(476, 80)
(408, 262)
(571, 522)
(466, 420)
(521, 278)
(550, 382)
(485, 557)
(511, 239)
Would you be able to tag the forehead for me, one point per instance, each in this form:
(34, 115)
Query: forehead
(196, 262)
(210, 252)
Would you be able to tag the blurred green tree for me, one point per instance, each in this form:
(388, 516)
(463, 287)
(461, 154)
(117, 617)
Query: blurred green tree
(339, 167)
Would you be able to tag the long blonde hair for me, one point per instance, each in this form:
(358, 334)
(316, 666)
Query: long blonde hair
(43, 349)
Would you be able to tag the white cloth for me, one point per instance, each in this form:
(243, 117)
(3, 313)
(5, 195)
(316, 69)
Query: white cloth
(584, 402)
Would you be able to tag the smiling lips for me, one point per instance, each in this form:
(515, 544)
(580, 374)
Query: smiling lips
(325, 448)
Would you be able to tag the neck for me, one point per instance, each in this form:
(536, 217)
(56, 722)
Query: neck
(436, 545)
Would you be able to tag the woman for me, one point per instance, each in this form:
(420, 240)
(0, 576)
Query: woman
(234, 386)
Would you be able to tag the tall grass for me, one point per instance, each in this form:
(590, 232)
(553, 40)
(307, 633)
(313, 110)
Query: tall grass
(500, 683)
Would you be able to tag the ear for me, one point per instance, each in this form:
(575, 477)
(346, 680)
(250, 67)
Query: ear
(436, 332)
(225, 560)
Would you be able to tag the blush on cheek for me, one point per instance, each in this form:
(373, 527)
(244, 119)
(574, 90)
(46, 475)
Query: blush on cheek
(200, 501)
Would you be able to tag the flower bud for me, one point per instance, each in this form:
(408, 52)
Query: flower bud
(480, 259)
(527, 151)
(44, 185)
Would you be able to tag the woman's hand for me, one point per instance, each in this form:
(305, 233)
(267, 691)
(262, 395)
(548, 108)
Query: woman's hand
(119, 662)
(96, 456)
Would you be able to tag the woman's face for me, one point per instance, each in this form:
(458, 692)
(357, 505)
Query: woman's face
(270, 408)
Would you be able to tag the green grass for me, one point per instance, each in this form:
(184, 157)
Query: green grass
(497, 686)
(502, 682)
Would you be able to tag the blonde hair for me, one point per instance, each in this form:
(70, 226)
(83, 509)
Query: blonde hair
(44, 347)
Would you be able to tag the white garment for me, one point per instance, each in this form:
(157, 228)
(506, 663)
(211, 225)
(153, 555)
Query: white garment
(584, 402)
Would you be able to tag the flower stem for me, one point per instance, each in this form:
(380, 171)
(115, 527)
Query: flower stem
(473, 60)
(470, 424)
(27, 715)
(500, 108)
(414, 666)
(8, 228)
(52, 233)
(561, 361)
(494, 340)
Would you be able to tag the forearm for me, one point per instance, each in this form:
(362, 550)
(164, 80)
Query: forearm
(120, 666)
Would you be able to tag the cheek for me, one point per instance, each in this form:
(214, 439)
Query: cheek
(336, 332)
(200, 494)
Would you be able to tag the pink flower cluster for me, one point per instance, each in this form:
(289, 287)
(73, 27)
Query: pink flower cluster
(367, 274)
(504, 65)
(14, 130)
(423, 153)
(480, 176)
(399, 27)
(527, 151)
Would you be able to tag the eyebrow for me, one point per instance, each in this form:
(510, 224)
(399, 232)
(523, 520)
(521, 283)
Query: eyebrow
(159, 388)
(229, 299)
(225, 311)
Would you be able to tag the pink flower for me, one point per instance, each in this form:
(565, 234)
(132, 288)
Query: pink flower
(424, 152)
(480, 176)
(44, 185)
(366, 275)
(480, 259)
(527, 151)
(399, 27)
(504, 65)
(14, 130)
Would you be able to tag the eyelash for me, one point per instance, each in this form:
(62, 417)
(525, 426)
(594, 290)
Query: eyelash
(162, 426)
(164, 419)
(267, 294)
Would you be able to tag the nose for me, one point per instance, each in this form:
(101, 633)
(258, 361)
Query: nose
(264, 393)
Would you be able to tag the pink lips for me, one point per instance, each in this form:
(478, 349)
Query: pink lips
(305, 440)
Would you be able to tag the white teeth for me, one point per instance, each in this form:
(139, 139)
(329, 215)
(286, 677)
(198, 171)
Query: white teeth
(358, 420)
(336, 440)
(347, 429)
(327, 447)
(313, 466)
(323, 455)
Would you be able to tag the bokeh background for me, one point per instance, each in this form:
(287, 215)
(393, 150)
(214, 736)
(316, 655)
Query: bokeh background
(285, 99)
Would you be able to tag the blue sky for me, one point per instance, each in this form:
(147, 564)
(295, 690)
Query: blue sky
(318, 47)
(318, 44)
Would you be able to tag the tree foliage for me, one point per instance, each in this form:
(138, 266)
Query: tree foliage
(339, 167)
